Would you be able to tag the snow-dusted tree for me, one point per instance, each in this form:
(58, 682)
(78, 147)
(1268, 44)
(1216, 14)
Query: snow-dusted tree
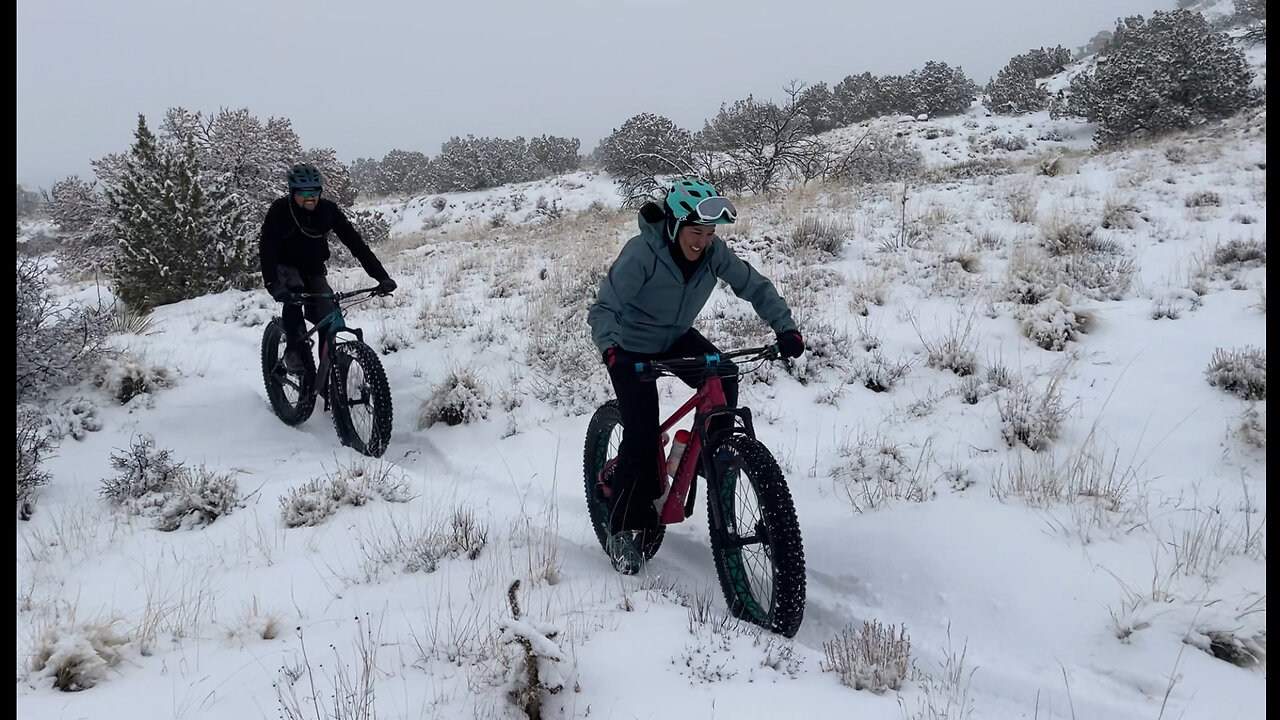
(56, 343)
(178, 239)
(1170, 72)
(647, 145)
(555, 155)
(938, 89)
(404, 171)
(30, 203)
(364, 176)
(765, 143)
(1253, 15)
(818, 105)
(80, 210)
(473, 163)
(1095, 44)
(1016, 90)
(858, 98)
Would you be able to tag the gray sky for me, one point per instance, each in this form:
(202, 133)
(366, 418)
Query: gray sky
(367, 77)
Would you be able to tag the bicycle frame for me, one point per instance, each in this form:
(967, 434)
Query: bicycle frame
(326, 332)
(707, 403)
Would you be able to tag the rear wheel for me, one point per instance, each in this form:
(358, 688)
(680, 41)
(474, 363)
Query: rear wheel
(360, 399)
(290, 394)
(757, 549)
(604, 435)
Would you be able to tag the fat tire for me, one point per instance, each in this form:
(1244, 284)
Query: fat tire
(378, 393)
(274, 378)
(595, 453)
(780, 531)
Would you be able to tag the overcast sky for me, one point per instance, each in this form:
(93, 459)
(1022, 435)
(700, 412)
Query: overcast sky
(365, 78)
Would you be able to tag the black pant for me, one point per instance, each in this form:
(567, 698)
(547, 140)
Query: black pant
(635, 479)
(292, 315)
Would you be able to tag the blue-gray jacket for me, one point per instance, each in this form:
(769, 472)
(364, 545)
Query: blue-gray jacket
(644, 304)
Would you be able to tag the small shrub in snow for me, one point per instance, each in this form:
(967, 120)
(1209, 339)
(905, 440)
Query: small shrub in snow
(1022, 204)
(1118, 215)
(1052, 323)
(1030, 418)
(55, 345)
(351, 485)
(879, 374)
(198, 498)
(1240, 252)
(1253, 427)
(439, 203)
(125, 378)
(34, 446)
(1204, 198)
(141, 470)
(875, 658)
(1241, 372)
(77, 658)
(149, 482)
(823, 237)
(460, 398)
(953, 351)
(970, 390)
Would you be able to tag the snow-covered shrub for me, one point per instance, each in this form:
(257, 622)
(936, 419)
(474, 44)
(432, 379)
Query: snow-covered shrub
(124, 377)
(1118, 215)
(1240, 252)
(34, 445)
(1241, 372)
(77, 657)
(141, 470)
(1030, 418)
(458, 399)
(351, 485)
(1052, 322)
(825, 238)
(1022, 203)
(464, 536)
(149, 482)
(198, 498)
(372, 226)
(1015, 90)
(55, 345)
(954, 351)
(878, 373)
(879, 156)
(1203, 198)
(875, 658)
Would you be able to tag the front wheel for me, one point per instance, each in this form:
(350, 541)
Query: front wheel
(604, 436)
(291, 395)
(755, 537)
(360, 399)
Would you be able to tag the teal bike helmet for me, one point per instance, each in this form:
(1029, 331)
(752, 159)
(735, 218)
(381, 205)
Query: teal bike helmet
(305, 176)
(696, 202)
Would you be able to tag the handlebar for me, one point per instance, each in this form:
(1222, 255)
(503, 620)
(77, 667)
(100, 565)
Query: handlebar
(301, 298)
(716, 363)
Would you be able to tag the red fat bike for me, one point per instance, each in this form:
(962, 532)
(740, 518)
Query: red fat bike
(755, 537)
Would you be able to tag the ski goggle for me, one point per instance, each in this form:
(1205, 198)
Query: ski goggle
(309, 193)
(712, 210)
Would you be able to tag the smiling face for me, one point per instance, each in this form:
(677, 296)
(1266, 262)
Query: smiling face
(307, 199)
(694, 239)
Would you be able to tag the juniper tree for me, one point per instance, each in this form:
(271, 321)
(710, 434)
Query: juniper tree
(1171, 72)
(939, 89)
(1015, 89)
(555, 155)
(645, 146)
(177, 239)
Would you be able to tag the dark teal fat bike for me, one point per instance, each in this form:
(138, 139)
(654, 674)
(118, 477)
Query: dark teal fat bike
(349, 377)
(755, 536)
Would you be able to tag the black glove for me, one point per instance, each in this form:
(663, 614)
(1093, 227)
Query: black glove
(279, 292)
(385, 287)
(790, 344)
(617, 359)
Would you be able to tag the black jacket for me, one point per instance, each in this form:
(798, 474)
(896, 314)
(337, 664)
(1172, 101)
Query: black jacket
(297, 237)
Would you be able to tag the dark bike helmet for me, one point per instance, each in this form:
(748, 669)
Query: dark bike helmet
(304, 176)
